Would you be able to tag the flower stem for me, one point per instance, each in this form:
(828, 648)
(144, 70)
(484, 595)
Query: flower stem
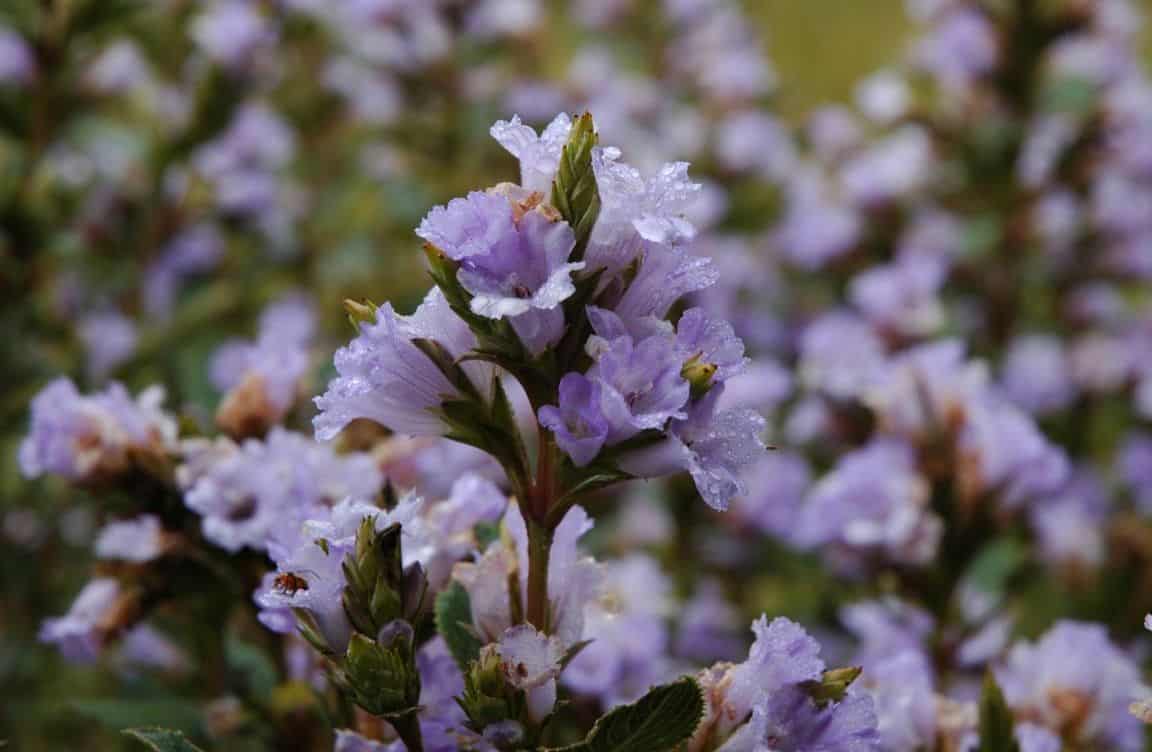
(540, 530)
(539, 552)
(408, 729)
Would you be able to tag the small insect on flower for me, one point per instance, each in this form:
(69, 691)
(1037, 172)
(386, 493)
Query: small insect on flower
(290, 583)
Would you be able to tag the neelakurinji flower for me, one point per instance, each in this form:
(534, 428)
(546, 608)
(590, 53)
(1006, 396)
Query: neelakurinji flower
(384, 377)
(513, 260)
(93, 438)
(261, 379)
(258, 494)
(1084, 702)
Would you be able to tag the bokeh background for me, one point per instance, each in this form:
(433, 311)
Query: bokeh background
(129, 250)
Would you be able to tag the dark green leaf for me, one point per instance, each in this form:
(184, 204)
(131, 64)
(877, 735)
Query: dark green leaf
(454, 623)
(659, 721)
(125, 713)
(162, 740)
(251, 666)
(997, 728)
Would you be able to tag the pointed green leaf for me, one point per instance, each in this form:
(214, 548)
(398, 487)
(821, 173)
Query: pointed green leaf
(659, 721)
(997, 727)
(454, 623)
(251, 667)
(162, 740)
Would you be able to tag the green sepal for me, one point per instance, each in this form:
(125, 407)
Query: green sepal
(374, 590)
(488, 697)
(381, 680)
(574, 191)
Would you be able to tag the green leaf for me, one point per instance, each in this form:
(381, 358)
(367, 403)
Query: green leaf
(574, 191)
(454, 623)
(997, 727)
(162, 740)
(660, 720)
(126, 713)
(995, 565)
(252, 666)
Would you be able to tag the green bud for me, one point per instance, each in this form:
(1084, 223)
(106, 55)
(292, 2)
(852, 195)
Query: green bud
(382, 680)
(377, 586)
(488, 697)
(360, 312)
(699, 375)
(832, 685)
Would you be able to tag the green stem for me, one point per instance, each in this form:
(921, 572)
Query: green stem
(408, 729)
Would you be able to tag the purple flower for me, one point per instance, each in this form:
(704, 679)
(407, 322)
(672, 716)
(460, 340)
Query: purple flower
(451, 524)
(310, 574)
(539, 156)
(752, 140)
(960, 48)
(573, 579)
(80, 634)
(628, 652)
(110, 339)
(1084, 700)
(926, 389)
(782, 655)
(709, 626)
(841, 355)
(712, 341)
(137, 540)
(714, 447)
(1034, 738)
(901, 687)
(265, 375)
(1134, 465)
(789, 721)
(514, 268)
(638, 215)
(665, 276)
(1007, 453)
(530, 660)
(894, 168)
(84, 438)
(1035, 374)
(873, 502)
(350, 741)
(578, 424)
(887, 628)
(1070, 525)
(776, 486)
(640, 385)
(815, 228)
(383, 377)
(194, 250)
(258, 495)
(230, 31)
(902, 297)
(17, 63)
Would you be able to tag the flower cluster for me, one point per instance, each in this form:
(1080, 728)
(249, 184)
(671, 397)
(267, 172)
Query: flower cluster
(485, 532)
